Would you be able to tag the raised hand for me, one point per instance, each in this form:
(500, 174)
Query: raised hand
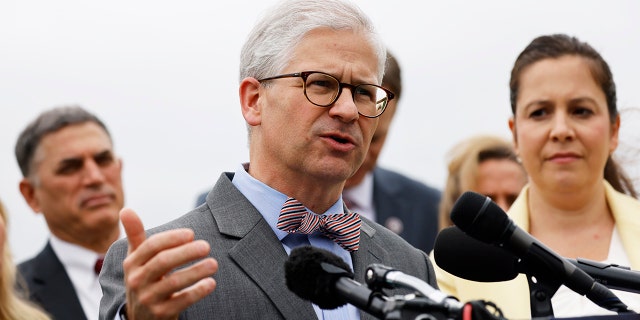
(154, 291)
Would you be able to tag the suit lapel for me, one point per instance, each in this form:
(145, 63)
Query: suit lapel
(258, 251)
(374, 253)
(624, 210)
(52, 288)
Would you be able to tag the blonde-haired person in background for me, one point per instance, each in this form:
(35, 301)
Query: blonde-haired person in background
(12, 305)
(485, 164)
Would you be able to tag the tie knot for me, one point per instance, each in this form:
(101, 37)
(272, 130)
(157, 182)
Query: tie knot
(343, 228)
(98, 266)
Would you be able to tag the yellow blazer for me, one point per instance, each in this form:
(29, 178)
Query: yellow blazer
(513, 296)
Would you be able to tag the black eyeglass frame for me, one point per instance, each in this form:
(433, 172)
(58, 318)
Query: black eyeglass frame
(305, 74)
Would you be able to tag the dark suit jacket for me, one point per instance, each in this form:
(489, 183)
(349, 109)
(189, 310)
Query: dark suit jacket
(398, 197)
(250, 278)
(50, 287)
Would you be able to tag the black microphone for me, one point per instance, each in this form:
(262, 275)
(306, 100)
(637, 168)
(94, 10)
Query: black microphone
(467, 258)
(611, 275)
(463, 256)
(484, 220)
(323, 278)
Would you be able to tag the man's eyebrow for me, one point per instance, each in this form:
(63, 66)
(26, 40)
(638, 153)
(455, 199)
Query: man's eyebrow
(78, 160)
(101, 154)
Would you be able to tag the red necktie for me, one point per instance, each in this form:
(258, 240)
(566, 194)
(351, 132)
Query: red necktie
(98, 266)
(343, 228)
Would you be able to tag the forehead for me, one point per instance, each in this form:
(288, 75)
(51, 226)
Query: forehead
(501, 172)
(77, 140)
(339, 52)
(576, 65)
(566, 73)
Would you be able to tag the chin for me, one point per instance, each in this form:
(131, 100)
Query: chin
(109, 211)
(569, 184)
(334, 173)
(107, 221)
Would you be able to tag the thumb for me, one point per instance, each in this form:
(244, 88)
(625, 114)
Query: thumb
(133, 228)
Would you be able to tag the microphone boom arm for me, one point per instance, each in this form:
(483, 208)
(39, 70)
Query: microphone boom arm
(380, 276)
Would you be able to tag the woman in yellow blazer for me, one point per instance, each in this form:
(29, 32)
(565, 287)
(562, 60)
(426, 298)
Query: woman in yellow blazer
(565, 128)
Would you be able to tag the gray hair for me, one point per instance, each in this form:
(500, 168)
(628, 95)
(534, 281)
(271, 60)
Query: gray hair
(47, 122)
(269, 47)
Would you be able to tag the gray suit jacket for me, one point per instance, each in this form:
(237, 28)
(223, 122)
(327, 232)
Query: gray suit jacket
(250, 278)
(50, 287)
(400, 200)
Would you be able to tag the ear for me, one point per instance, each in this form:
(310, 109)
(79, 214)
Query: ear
(512, 127)
(249, 100)
(29, 194)
(615, 130)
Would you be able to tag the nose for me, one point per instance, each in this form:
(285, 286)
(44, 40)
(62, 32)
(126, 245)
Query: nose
(561, 128)
(92, 173)
(344, 107)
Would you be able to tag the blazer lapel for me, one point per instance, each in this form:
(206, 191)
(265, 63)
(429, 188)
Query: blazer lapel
(258, 251)
(625, 210)
(52, 288)
(362, 258)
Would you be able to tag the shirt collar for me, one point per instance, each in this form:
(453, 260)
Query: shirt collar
(362, 194)
(73, 255)
(267, 200)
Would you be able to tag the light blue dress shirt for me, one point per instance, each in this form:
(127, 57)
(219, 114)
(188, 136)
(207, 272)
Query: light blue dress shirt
(269, 201)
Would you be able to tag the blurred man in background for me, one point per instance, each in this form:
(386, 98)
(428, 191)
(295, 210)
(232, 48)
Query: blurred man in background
(403, 205)
(73, 178)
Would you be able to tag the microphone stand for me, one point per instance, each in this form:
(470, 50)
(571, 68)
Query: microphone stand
(427, 303)
(541, 289)
(411, 307)
(543, 285)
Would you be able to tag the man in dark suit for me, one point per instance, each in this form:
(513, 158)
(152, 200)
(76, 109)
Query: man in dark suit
(73, 177)
(310, 97)
(402, 204)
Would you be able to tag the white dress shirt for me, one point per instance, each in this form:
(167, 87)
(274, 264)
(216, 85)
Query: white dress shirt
(79, 264)
(568, 303)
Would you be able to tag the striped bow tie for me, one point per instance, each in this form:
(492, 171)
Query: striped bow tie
(343, 229)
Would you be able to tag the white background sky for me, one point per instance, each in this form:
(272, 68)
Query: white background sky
(163, 75)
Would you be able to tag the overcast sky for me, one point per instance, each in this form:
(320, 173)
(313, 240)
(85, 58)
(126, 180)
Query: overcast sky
(163, 75)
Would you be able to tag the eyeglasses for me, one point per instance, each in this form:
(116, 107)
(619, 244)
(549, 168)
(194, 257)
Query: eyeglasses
(323, 90)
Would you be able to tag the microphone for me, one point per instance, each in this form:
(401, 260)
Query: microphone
(611, 275)
(484, 220)
(323, 278)
(468, 258)
(378, 275)
(454, 251)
